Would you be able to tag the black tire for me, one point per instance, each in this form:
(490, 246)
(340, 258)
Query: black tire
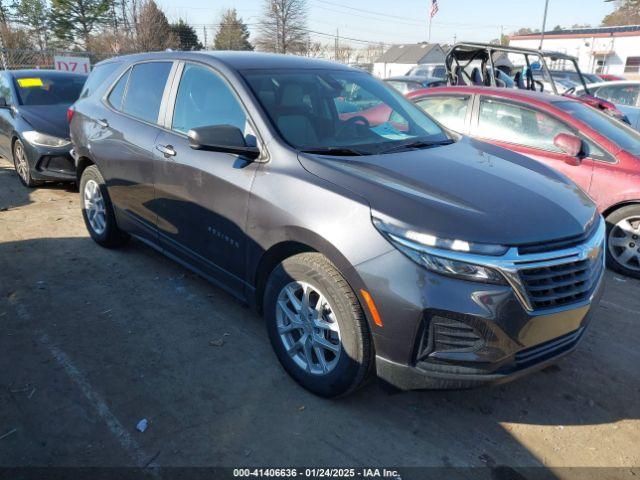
(111, 236)
(617, 216)
(354, 363)
(27, 180)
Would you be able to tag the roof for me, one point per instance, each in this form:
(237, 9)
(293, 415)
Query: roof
(239, 60)
(407, 53)
(586, 32)
(499, 91)
(414, 78)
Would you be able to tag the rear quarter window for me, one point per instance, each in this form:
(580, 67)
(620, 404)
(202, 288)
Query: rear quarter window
(97, 78)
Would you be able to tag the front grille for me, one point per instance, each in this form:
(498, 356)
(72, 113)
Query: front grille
(563, 284)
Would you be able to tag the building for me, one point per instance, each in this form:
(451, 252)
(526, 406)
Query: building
(399, 59)
(612, 50)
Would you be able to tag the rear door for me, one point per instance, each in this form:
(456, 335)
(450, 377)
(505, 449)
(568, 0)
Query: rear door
(529, 131)
(202, 196)
(452, 111)
(124, 142)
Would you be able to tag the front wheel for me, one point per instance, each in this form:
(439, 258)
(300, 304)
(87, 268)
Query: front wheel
(97, 210)
(316, 326)
(21, 164)
(623, 239)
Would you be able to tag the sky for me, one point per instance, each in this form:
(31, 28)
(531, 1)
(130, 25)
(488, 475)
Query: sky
(403, 21)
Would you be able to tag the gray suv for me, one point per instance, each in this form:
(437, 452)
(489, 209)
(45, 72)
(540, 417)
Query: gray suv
(372, 241)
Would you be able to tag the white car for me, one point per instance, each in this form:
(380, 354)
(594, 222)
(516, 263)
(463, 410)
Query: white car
(625, 94)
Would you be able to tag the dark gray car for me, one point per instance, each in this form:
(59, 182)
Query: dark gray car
(370, 242)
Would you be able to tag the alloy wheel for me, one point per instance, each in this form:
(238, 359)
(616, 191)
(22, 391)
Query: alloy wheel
(308, 328)
(21, 163)
(94, 206)
(624, 243)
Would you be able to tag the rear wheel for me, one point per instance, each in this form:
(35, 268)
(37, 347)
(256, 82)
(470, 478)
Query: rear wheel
(316, 326)
(21, 164)
(97, 210)
(623, 239)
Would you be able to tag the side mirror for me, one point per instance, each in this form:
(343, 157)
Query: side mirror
(571, 145)
(221, 138)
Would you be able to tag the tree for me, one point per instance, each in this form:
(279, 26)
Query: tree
(627, 12)
(34, 15)
(283, 28)
(153, 32)
(233, 33)
(186, 36)
(75, 21)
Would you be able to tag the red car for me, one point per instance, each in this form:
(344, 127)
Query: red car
(599, 153)
(610, 78)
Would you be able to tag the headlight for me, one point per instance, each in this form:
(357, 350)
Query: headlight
(420, 248)
(44, 140)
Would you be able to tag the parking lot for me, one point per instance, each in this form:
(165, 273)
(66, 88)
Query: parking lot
(94, 340)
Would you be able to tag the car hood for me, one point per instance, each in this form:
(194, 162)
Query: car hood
(49, 119)
(469, 190)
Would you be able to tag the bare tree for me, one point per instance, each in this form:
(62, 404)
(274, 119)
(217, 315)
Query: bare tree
(283, 28)
(153, 29)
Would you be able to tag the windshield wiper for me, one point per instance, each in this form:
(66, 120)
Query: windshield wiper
(338, 151)
(417, 144)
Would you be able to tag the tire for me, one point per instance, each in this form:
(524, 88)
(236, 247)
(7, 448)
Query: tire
(21, 164)
(623, 241)
(348, 362)
(97, 210)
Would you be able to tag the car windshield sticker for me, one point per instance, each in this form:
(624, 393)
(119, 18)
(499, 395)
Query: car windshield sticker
(30, 82)
(386, 130)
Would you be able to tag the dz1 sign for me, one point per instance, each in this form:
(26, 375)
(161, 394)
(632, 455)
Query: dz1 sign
(72, 64)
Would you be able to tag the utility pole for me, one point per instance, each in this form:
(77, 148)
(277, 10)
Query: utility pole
(544, 23)
(204, 31)
(335, 48)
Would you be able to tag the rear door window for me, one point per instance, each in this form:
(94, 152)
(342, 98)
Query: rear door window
(145, 89)
(451, 111)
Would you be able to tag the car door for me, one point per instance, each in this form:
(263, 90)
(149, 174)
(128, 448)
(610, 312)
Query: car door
(7, 116)
(202, 196)
(124, 143)
(529, 131)
(452, 111)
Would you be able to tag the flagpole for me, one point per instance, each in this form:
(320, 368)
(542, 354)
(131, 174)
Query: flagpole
(430, 20)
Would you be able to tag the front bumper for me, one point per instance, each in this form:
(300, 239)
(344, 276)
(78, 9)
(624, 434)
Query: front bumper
(50, 163)
(442, 332)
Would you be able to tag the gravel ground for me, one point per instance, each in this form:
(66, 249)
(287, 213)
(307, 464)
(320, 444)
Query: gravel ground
(94, 340)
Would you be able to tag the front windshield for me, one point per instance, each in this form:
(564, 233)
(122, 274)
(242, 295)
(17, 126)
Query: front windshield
(46, 89)
(616, 131)
(322, 110)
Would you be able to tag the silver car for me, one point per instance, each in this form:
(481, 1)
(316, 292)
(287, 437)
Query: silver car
(625, 94)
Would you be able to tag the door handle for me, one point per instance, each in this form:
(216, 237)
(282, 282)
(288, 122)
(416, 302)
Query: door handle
(102, 122)
(166, 150)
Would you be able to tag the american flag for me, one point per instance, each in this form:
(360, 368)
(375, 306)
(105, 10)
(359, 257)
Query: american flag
(434, 8)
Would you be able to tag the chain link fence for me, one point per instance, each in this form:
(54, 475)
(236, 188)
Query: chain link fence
(14, 59)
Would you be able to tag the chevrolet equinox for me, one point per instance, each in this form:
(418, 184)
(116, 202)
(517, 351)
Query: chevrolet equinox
(387, 245)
